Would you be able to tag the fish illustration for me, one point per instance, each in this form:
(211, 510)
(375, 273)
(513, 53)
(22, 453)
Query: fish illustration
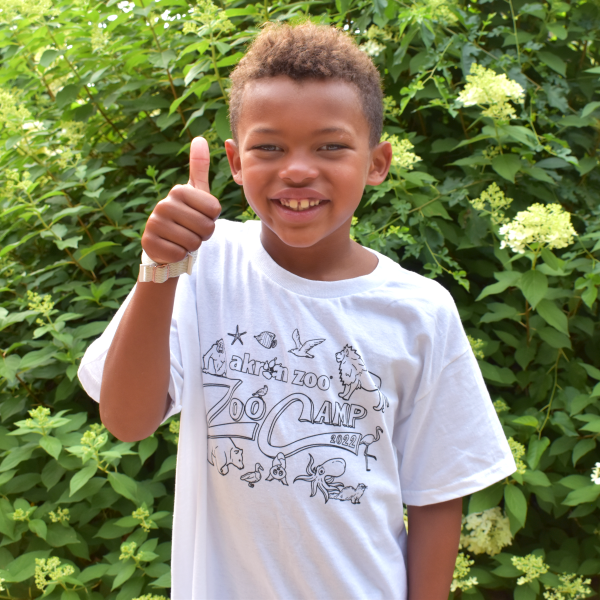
(266, 339)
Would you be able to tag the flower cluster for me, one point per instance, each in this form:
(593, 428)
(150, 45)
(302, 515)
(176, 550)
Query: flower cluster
(486, 88)
(40, 304)
(60, 516)
(596, 473)
(126, 6)
(518, 451)
(150, 597)
(390, 107)
(142, 515)
(13, 115)
(533, 566)
(11, 9)
(207, 17)
(49, 568)
(460, 577)
(501, 406)
(544, 225)
(22, 515)
(571, 587)
(477, 346)
(403, 157)
(440, 10)
(486, 532)
(92, 440)
(493, 202)
(39, 418)
(127, 550)
(372, 48)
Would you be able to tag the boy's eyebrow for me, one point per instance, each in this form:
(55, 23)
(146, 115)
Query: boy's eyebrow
(268, 130)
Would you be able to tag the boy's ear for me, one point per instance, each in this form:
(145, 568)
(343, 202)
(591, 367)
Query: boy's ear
(235, 164)
(381, 160)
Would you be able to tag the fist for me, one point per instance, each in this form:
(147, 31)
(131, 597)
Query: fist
(186, 217)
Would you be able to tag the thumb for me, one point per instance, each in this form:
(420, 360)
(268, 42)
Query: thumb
(199, 164)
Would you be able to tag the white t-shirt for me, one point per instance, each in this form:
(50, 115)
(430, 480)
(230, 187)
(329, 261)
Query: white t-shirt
(310, 412)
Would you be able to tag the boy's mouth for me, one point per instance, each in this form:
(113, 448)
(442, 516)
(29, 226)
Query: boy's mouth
(299, 204)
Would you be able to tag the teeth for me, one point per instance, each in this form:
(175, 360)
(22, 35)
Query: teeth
(299, 205)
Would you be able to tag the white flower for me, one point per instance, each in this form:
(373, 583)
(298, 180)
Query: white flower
(126, 6)
(486, 88)
(596, 473)
(461, 569)
(518, 450)
(571, 587)
(493, 202)
(372, 48)
(549, 225)
(486, 532)
(533, 566)
(403, 157)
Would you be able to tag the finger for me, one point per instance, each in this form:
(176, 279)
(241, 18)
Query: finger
(188, 217)
(199, 164)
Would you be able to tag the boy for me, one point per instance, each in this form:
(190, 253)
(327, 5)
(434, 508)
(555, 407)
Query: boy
(321, 385)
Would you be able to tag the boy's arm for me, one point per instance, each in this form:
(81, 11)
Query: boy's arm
(135, 380)
(433, 537)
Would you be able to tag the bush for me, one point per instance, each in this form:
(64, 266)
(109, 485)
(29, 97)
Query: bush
(494, 190)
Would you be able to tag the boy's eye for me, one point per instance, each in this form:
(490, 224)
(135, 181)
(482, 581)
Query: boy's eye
(267, 148)
(333, 147)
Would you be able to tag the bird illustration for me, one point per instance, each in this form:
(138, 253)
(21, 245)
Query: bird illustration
(302, 350)
(260, 393)
(252, 477)
(366, 441)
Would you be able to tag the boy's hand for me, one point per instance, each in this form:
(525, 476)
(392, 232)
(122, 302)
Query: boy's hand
(186, 217)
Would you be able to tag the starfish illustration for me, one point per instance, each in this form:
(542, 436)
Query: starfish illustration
(237, 336)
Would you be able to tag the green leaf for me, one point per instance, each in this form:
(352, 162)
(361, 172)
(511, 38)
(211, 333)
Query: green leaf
(93, 572)
(534, 286)
(486, 498)
(222, 124)
(124, 485)
(67, 95)
(51, 445)
(507, 166)
(147, 448)
(516, 504)
(37, 358)
(554, 62)
(96, 247)
(553, 315)
(582, 495)
(164, 581)
(582, 448)
(495, 373)
(48, 57)
(527, 421)
(82, 477)
(538, 478)
(38, 527)
(554, 338)
(536, 449)
(123, 575)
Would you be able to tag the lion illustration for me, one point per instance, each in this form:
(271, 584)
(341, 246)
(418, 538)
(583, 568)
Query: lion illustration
(215, 360)
(354, 375)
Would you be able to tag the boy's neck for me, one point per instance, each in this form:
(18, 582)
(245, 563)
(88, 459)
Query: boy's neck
(333, 259)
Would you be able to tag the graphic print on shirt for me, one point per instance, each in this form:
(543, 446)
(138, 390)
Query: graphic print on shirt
(252, 477)
(278, 472)
(302, 350)
(266, 339)
(244, 416)
(354, 375)
(222, 452)
(237, 336)
(215, 360)
(366, 441)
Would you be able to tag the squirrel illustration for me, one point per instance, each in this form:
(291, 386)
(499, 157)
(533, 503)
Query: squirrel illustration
(349, 493)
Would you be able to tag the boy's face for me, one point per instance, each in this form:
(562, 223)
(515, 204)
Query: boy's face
(303, 157)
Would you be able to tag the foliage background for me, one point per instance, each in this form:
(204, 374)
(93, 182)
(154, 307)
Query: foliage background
(98, 104)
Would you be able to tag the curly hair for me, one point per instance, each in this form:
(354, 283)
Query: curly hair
(309, 51)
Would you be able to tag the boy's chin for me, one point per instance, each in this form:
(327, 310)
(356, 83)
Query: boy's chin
(301, 238)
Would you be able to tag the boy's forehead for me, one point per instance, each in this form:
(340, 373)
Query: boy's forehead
(330, 104)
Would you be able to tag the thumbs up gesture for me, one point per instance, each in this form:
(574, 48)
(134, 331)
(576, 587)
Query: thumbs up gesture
(186, 217)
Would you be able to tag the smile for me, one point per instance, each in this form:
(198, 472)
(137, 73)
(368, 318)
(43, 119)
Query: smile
(299, 204)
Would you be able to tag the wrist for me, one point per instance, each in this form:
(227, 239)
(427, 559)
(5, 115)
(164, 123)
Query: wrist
(151, 271)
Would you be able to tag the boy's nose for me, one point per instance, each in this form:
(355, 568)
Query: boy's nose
(298, 169)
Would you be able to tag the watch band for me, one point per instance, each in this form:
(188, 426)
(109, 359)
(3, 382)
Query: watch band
(157, 273)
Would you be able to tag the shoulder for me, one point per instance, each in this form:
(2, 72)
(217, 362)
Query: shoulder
(408, 290)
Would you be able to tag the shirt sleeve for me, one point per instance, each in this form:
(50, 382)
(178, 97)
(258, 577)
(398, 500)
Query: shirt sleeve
(92, 364)
(452, 444)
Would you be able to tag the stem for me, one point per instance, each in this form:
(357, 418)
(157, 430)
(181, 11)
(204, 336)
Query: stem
(512, 12)
(28, 389)
(89, 94)
(216, 69)
(553, 394)
(173, 91)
